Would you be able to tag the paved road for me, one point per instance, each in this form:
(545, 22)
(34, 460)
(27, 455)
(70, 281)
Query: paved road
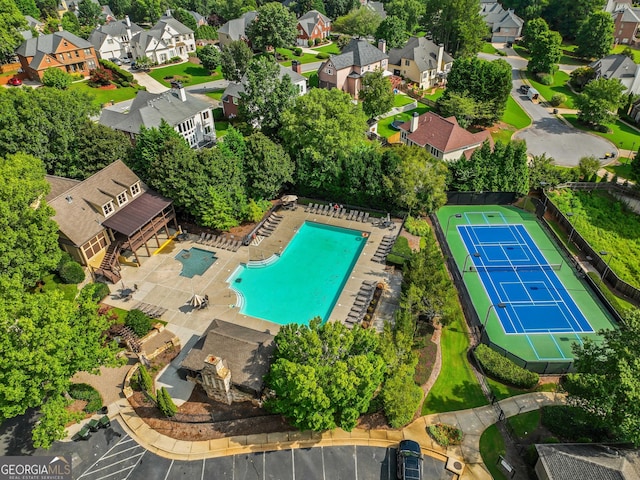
(112, 455)
(548, 134)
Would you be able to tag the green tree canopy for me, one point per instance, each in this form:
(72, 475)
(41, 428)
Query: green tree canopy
(457, 24)
(70, 23)
(267, 167)
(393, 31)
(28, 7)
(595, 36)
(338, 8)
(145, 11)
(234, 60)
(376, 94)
(275, 26)
(206, 32)
(56, 78)
(12, 22)
(409, 11)
(230, 9)
(566, 16)
(185, 18)
(209, 56)
(89, 13)
(324, 375)
(599, 102)
(460, 105)
(120, 8)
(359, 22)
(544, 45)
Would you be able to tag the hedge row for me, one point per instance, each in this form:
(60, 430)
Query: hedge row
(122, 74)
(503, 369)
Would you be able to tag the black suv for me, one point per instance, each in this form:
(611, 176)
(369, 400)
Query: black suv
(409, 460)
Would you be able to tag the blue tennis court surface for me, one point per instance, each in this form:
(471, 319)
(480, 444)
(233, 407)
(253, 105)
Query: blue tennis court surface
(522, 286)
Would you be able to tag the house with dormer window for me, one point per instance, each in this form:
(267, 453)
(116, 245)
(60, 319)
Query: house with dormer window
(167, 39)
(312, 26)
(106, 214)
(112, 39)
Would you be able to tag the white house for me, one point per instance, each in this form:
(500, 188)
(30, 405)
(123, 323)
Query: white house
(167, 39)
(112, 39)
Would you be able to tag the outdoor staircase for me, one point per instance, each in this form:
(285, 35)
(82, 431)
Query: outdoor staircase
(109, 267)
(131, 339)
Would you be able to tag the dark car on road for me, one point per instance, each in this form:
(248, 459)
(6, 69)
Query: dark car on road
(409, 460)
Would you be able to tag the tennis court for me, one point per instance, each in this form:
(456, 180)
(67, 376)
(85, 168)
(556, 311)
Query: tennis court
(531, 302)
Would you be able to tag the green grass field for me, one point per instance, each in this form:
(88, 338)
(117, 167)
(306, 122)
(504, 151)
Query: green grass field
(384, 125)
(331, 49)
(559, 86)
(622, 171)
(491, 447)
(515, 118)
(105, 96)
(502, 391)
(400, 100)
(621, 135)
(53, 282)
(525, 423)
(188, 73)
(305, 58)
(567, 57)
(619, 48)
(215, 94)
(436, 95)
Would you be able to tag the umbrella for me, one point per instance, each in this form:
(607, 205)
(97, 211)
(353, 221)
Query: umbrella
(196, 300)
(289, 198)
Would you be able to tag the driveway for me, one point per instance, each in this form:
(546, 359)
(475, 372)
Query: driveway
(549, 134)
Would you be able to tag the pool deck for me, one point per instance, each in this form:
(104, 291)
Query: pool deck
(159, 281)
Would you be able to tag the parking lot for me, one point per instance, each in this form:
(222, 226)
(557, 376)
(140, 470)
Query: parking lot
(112, 455)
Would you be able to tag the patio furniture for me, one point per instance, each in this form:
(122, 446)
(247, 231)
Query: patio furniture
(201, 239)
(366, 217)
(236, 246)
(93, 425)
(212, 240)
(104, 422)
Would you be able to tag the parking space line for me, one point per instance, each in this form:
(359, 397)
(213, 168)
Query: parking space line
(115, 473)
(169, 470)
(125, 439)
(120, 452)
(293, 465)
(115, 463)
(324, 475)
(137, 463)
(355, 459)
(202, 476)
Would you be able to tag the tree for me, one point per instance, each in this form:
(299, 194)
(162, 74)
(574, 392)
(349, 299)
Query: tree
(600, 100)
(544, 45)
(97, 147)
(566, 16)
(209, 56)
(70, 23)
(457, 24)
(51, 424)
(12, 22)
(120, 8)
(409, 11)
(206, 32)
(165, 403)
(581, 76)
(595, 36)
(393, 31)
(588, 167)
(56, 78)
(401, 396)
(267, 166)
(275, 26)
(461, 106)
(29, 248)
(144, 380)
(234, 60)
(359, 22)
(230, 9)
(145, 11)
(376, 94)
(338, 8)
(89, 13)
(185, 18)
(266, 95)
(319, 131)
(606, 384)
(324, 375)
(28, 7)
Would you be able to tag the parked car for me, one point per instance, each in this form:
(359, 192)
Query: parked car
(15, 81)
(125, 60)
(524, 89)
(409, 461)
(116, 61)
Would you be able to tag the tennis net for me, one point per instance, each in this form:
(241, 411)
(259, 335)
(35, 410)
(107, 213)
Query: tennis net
(516, 268)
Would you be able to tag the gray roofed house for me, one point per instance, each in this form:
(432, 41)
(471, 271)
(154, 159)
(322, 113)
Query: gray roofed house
(230, 361)
(620, 67)
(236, 29)
(421, 61)
(345, 71)
(200, 20)
(626, 20)
(586, 462)
(166, 39)
(112, 39)
(377, 7)
(505, 25)
(312, 26)
(188, 115)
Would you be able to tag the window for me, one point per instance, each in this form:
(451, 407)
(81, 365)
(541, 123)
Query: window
(65, 43)
(87, 51)
(77, 54)
(107, 209)
(109, 41)
(207, 129)
(329, 71)
(92, 64)
(235, 100)
(93, 246)
(205, 114)
(135, 189)
(407, 63)
(122, 198)
(69, 54)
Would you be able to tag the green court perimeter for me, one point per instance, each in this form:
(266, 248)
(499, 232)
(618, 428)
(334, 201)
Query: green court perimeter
(531, 348)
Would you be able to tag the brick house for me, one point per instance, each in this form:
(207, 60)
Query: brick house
(311, 26)
(62, 50)
(442, 137)
(626, 22)
(421, 61)
(345, 71)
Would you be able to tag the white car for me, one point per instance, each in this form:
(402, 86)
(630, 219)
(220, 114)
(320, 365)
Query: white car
(125, 60)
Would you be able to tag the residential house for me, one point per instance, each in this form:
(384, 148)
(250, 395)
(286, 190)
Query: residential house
(236, 29)
(109, 212)
(37, 25)
(615, 5)
(230, 362)
(191, 117)
(200, 20)
(377, 7)
(231, 96)
(626, 21)
(112, 40)
(421, 61)
(621, 67)
(505, 25)
(312, 26)
(167, 39)
(345, 71)
(586, 462)
(442, 137)
(61, 50)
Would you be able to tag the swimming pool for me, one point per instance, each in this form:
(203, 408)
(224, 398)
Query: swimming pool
(195, 261)
(305, 281)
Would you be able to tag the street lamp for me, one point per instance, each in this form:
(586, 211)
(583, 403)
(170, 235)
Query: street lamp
(456, 215)
(607, 263)
(469, 255)
(573, 229)
(486, 318)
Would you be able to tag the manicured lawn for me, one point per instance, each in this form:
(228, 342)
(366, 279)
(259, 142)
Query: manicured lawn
(188, 73)
(636, 53)
(313, 79)
(490, 49)
(331, 49)
(105, 96)
(436, 95)
(384, 125)
(516, 119)
(215, 94)
(525, 423)
(622, 135)
(491, 447)
(53, 282)
(456, 387)
(622, 171)
(222, 127)
(400, 100)
(305, 58)
(502, 391)
(558, 86)
(567, 57)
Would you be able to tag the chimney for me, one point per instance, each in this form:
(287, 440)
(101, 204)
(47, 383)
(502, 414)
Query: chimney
(439, 65)
(217, 363)
(296, 66)
(182, 94)
(60, 29)
(414, 122)
(127, 21)
(168, 13)
(382, 45)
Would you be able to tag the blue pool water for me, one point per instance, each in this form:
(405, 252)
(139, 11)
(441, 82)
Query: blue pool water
(305, 281)
(195, 261)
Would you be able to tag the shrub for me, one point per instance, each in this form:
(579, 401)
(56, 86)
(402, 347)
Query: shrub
(400, 252)
(417, 226)
(503, 369)
(444, 434)
(317, 41)
(297, 52)
(125, 84)
(144, 380)
(401, 396)
(310, 43)
(545, 79)
(175, 59)
(96, 291)
(551, 440)
(165, 403)
(101, 76)
(139, 322)
(83, 391)
(56, 78)
(322, 56)
(558, 99)
(117, 71)
(531, 455)
(64, 259)
(571, 423)
(72, 272)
